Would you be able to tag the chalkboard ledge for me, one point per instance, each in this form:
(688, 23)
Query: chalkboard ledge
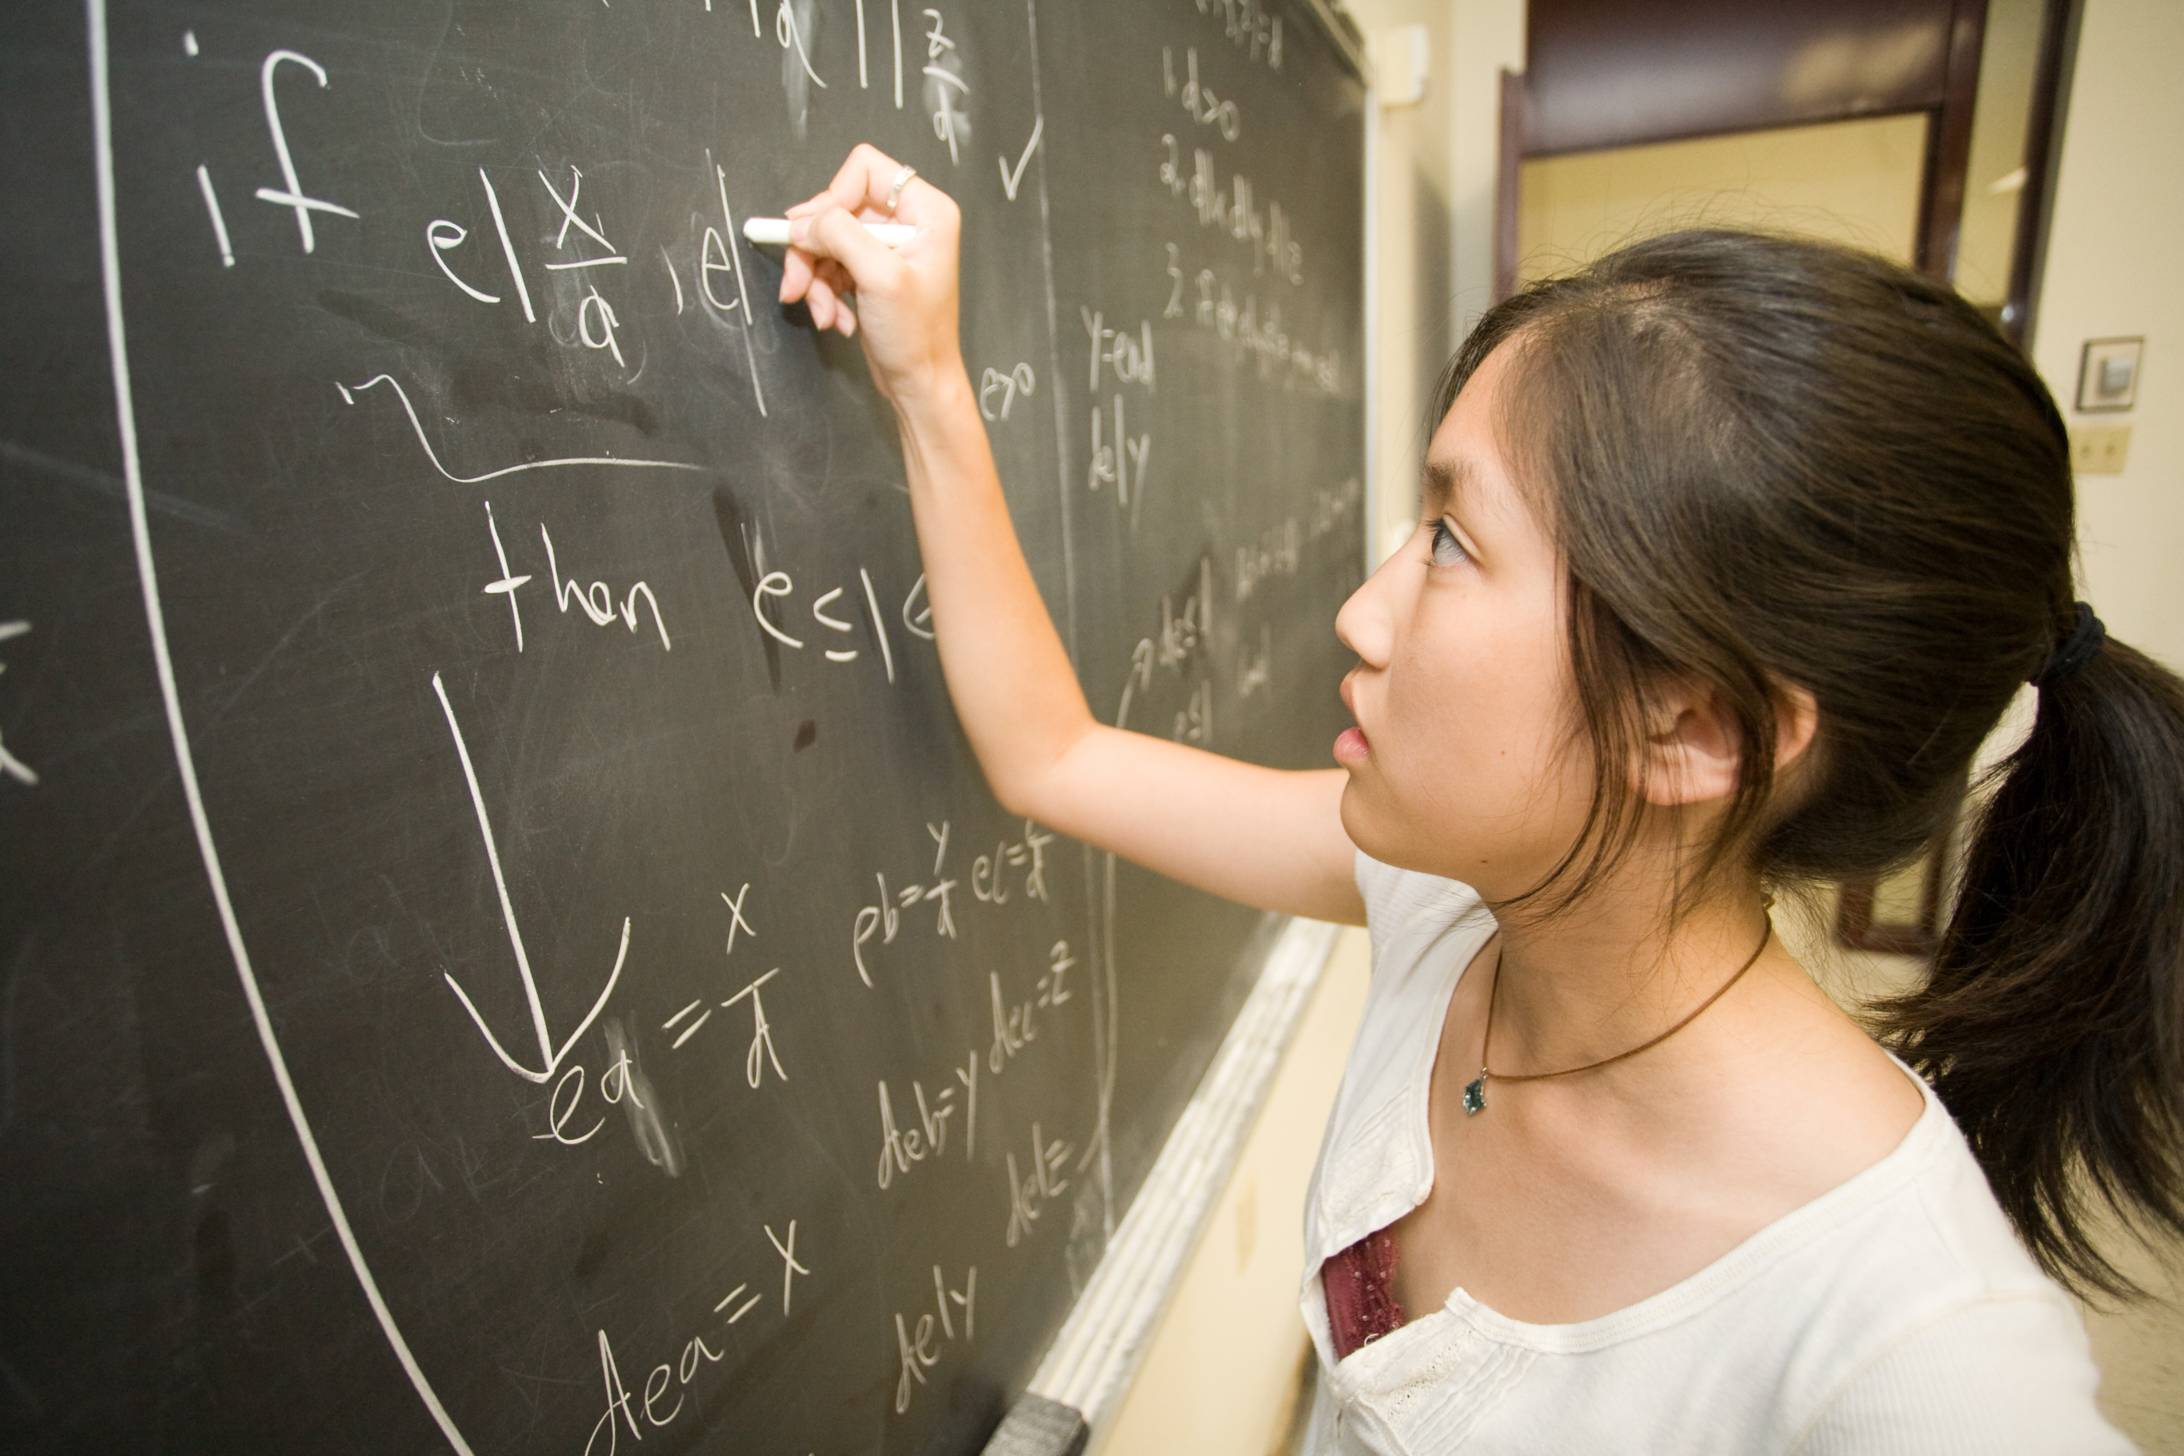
(1094, 1357)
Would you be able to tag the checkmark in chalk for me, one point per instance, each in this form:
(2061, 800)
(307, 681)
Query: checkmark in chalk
(1011, 181)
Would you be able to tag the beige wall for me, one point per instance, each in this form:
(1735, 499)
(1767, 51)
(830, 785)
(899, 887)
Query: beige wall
(2111, 270)
(1434, 258)
(1410, 262)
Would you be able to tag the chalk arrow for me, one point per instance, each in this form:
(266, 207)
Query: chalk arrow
(1010, 181)
(547, 1051)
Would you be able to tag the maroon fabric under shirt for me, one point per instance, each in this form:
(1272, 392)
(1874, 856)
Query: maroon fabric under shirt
(1361, 1303)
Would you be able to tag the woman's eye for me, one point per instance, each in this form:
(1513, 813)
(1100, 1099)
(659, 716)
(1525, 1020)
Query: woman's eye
(1447, 550)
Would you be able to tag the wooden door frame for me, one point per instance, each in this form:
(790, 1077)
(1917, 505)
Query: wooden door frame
(1942, 172)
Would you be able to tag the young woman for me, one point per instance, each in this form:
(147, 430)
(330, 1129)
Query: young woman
(1733, 550)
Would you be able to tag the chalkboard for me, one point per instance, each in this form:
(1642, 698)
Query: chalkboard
(505, 947)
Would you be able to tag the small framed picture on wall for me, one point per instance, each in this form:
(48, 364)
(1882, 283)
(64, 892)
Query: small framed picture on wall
(2108, 375)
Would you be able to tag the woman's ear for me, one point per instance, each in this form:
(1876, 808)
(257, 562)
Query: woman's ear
(1691, 751)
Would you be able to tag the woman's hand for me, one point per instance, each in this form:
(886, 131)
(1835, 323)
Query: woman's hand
(904, 296)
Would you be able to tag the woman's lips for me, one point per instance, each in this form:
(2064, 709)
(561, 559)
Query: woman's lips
(1350, 746)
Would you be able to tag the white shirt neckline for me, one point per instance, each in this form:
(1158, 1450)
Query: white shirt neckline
(1686, 1296)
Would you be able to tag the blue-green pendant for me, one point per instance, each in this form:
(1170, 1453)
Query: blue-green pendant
(1475, 1095)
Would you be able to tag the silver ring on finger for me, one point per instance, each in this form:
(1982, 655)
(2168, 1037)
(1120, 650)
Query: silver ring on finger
(894, 191)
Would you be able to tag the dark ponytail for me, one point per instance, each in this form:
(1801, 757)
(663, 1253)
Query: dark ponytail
(2052, 1019)
(1770, 460)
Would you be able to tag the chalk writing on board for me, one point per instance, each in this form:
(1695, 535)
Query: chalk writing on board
(998, 391)
(1250, 26)
(1118, 458)
(1123, 357)
(906, 1142)
(696, 1355)
(588, 315)
(562, 1107)
(989, 872)
(1051, 985)
(649, 1408)
(594, 601)
(217, 217)
(727, 241)
(350, 392)
(789, 33)
(506, 583)
(775, 585)
(1013, 177)
(1030, 1193)
(1255, 670)
(761, 1033)
(549, 1054)
(684, 1025)
(1123, 353)
(920, 1352)
(882, 917)
(1196, 98)
(736, 920)
(1232, 209)
(205, 189)
(789, 1267)
(291, 194)
(1015, 1027)
(946, 92)
(1015, 868)
(11, 766)
(597, 599)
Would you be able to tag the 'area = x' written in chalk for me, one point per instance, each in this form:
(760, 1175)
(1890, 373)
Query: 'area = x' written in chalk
(548, 1053)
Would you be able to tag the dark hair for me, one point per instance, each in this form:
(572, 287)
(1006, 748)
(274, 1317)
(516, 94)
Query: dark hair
(1770, 460)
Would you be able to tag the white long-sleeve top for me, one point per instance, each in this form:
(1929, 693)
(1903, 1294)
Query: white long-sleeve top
(1895, 1313)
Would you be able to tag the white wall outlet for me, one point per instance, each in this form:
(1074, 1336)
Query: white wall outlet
(2099, 449)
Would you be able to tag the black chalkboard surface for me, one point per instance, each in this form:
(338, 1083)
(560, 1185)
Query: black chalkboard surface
(505, 948)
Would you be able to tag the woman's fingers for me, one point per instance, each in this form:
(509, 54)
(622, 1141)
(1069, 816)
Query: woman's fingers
(900, 300)
(866, 180)
(824, 285)
(821, 301)
(796, 274)
(837, 278)
(831, 258)
(832, 235)
(830, 310)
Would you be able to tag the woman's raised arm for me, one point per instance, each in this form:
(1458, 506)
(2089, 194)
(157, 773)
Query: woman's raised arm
(1266, 837)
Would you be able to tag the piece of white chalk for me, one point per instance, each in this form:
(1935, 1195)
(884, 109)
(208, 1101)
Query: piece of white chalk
(774, 231)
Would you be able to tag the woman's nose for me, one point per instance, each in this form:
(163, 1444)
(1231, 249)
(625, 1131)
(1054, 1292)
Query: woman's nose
(1364, 624)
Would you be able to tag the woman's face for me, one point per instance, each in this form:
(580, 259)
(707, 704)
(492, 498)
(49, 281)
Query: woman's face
(1463, 693)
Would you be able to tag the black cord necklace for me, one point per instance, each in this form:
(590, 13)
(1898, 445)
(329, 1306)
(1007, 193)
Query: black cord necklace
(1475, 1089)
